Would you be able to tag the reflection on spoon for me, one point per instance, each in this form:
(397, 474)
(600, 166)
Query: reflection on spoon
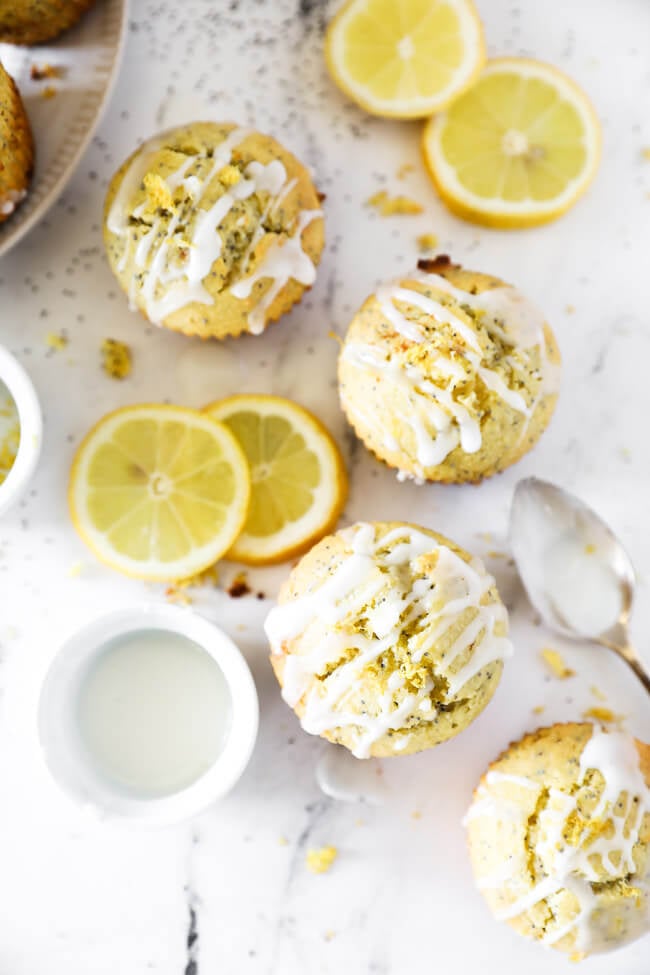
(576, 572)
(342, 776)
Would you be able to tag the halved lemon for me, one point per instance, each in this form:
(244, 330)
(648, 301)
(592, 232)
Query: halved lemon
(517, 149)
(299, 483)
(159, 492)
(405, 58)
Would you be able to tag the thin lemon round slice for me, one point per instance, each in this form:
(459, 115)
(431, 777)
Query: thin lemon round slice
(159, 492)
(299, 483)
(405, 59)
(517, 149)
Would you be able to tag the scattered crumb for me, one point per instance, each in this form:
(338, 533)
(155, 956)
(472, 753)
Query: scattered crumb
(538, 709)
(553, 659)
(320, 861)
(229, 175)
(359, 822)
(159, 195)
(39, 72)
(329, 935)
(209, 576)
(494, 554)
(570, 309)
(602, 714)
(117, 360)
(333, 335)
(49, 91)
(260, 595)
(239, 586)
(416, 814)
(484, 536)
(596, 691)
(390, 206)
(75, 569)
(178, 596)
(405, 169)
(590, 548)
(283, 841)
(625, 453)
(645, 153)
(577, 956)
(56, 341)
(426, 242)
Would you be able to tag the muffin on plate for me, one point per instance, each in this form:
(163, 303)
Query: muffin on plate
(16, 147)
(388, 639)
(559, 838)
(37, 21)
(448, 375)
(213, 230)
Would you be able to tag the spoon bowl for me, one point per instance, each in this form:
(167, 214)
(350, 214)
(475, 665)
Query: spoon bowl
(574, 569)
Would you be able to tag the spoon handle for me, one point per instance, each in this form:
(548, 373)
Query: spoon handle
(629, 655)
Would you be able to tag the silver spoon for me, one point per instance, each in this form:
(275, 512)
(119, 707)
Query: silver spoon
(577, 574)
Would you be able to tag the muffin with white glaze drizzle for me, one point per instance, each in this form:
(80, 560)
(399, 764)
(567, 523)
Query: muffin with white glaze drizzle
(448, 375)
(388, 639)
(213, 230)
(16, 147)
(559, 838)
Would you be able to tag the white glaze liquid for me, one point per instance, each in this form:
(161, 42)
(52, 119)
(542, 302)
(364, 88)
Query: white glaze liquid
(153, 713)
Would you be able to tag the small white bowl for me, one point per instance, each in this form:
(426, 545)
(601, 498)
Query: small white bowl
(22, 391)
(60, 738)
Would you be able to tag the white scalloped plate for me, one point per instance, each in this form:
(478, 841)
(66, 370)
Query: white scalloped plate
(63, 126)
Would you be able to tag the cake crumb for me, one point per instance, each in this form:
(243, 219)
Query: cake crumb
(320, 860)
(283, 841)
(56, 341)
(426, 242)
(390, 206)
(602, 714)
(570, 309)
(176, 595)
(329, 935)
(645, 153)
(239, 586)
(159, 195)
(49, 91)
(495, 554)
(39, 72)
(538, 709)
(75, 570)
(553, 659)
(598, 694)
(229, 175)
(117, 360)
(416, 814)
(405, 169)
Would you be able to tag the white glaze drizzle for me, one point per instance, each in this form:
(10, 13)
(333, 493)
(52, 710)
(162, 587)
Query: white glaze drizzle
(371, 585)
(181, 281)
(284, 259)
(615, 756)
(437, 420)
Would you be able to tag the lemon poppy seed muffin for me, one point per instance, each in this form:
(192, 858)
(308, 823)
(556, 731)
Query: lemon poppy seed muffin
(37, 21)
(213, 230)
(388, 639)
(448, 375)
(16, 147)
(559, 838)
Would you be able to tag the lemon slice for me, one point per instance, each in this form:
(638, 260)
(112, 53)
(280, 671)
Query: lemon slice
(299, 484)
(159, 492)
(405, 59)
(517, 149)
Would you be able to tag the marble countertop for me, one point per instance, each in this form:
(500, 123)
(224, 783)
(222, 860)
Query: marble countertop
(230, 892)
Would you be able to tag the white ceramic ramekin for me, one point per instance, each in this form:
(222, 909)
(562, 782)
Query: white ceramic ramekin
(59, 734)
(24, 396)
